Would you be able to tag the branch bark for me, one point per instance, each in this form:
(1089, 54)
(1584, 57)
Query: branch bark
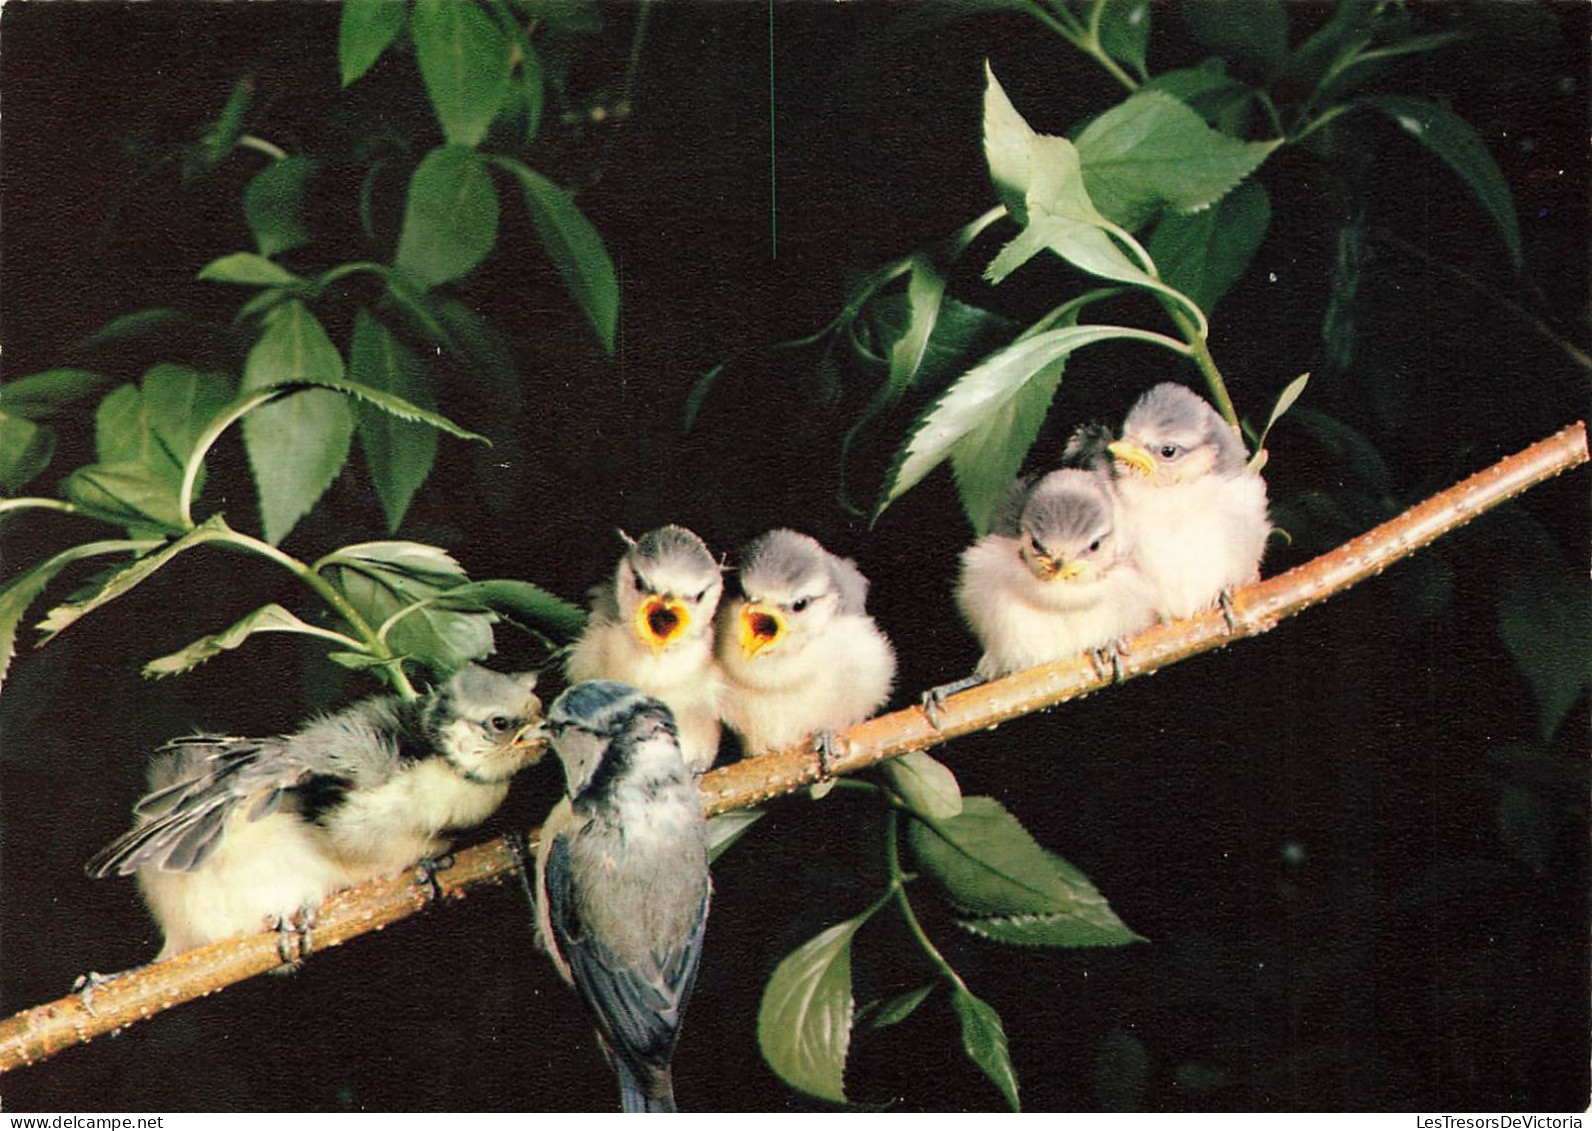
(135, 995)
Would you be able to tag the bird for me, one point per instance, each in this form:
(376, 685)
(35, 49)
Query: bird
(1197, 513)
(651, 626)
(800, 655)
(623, 888)
(237, 834)
(1053, 577)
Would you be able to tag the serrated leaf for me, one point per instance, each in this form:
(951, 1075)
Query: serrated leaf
(1152, 151)
(984, 1041)
(248, 269)
(127, 492)
(120, 432)
(1453, 141)
(399, 453)
(988, 458)
(24, 590)
(178, 402)
(357, 661)
(1256, 30)
(1204, 254)
(1125, 31)
(367, 28)
(64, 616)
(450, 217)
(1050, 931)
(724, 829)
(523, 603)
(1007, 137)
(273, 205)
(298, 444)
(132, 325)
(465, 62)
(804, 1022)
(575, 247)
(268, 618)
(980, 398)
(381, 579)
(926, 785)
(897, 1009)
(40, 394)
(925, 293)
(428, 565)
(992, 868)
(26, 449)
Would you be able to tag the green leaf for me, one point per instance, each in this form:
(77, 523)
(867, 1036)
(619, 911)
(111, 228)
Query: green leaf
(368, 27)
(1204, 254)
(26, 449)
(464, 60)
(450, 217)
(804, 1022)
(273, 205)
(117, 584)
(428, 565)
(40, 394)
(136, 324)
(925, 292)
(268, 618)
(128, 492)
(894, 1010)
(1152, 151)
(988, 458)
(979, 404)
(218, 140)
(1545, 619)
(574, 247)
(178, 402)
(724, 829)
(522, 603)
(298, 444)
(984, 1041)
(24, 590)
(1122, 1072)
(1453, 141)
(1254, 30)
(1285, 401)
(248, 269)
(1125, 31)
(382, 579)
(399, 453)
(532, 88)
(991, 867)
(1007, 138)
(927, 786)
(121, 433)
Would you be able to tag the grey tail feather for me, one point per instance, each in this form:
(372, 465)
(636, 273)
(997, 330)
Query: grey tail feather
(634, 1097)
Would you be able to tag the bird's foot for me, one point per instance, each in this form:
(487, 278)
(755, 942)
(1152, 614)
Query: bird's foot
(1229, 614)
(824, 747)
(1108, 657)
(295, 938)
(934, 698)
(428, 871)
(85, 985)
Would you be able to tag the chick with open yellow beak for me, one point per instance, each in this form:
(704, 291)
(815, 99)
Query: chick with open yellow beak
(651, 626)
(800, 655)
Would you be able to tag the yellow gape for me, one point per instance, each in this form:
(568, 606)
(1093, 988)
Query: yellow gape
(661, 621)
(1134, 456)
(761, 625)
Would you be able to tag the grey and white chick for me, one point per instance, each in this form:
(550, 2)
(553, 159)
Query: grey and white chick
(1197, 513)
(239, 833)
(1053, 577)
(800, 655)
(623, 890)
(651, 626)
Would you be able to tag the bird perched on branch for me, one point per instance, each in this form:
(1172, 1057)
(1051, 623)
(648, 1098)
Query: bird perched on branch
(1197, 513)
(623, 889)
(651, 626)
(239, 833)
(800, 655)
(1053, 577)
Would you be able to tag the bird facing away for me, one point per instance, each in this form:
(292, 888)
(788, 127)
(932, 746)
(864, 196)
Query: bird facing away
(800, 655)
(623, 895)
(1053, 577)
(1197, 513)
(651, 626)
(238, 833)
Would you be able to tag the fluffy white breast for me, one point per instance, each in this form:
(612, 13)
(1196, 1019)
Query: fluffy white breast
(1193, 540)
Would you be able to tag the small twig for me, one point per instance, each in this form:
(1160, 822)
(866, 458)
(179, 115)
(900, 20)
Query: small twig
(36, 1034)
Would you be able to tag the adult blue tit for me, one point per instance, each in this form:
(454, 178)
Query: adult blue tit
(239, 833)
(651, 626)
(800, 655)
(1054, 576)
(623, 894)
(1197, 513)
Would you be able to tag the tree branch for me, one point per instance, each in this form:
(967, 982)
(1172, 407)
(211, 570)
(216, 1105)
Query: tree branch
(106, 1006)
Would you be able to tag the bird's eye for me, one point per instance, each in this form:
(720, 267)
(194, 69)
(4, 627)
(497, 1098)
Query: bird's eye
(1094, 547)
(1170, 451)
(499, 723)
(798, 605)
(697, 600)
(1034, 543)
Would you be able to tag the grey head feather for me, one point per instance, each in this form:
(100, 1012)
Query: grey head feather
(1086, 447)
(1067, 509)
(669, 551)
(1170, 410)
(1006, 519)
(786, 562)
(600, 706)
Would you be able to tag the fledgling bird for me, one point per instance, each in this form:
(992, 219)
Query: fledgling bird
(651, 626)
(1053, 577)
(800, 655)
(1197, 513)
(239, 833)
(623, 889)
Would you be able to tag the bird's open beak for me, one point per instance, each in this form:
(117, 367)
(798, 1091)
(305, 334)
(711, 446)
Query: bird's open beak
(1125, 451)
(760, 626)
(532, 740)
(660, 621)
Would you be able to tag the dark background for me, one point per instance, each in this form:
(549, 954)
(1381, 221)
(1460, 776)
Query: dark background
(1364, 881)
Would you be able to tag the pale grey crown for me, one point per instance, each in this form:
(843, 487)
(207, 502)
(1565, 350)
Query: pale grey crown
(785, 562)
(1172, 413)
(1068, 510)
